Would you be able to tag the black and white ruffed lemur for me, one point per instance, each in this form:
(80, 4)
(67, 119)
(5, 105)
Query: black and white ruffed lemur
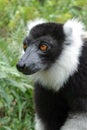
(56, 55)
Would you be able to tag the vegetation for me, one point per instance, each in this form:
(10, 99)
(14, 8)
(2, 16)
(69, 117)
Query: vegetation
(16, 107)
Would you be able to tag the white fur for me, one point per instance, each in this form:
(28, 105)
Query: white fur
(68, 61)
(38, 124)
(77, 122)
(22, 52)
(33, 23)
(85, 36)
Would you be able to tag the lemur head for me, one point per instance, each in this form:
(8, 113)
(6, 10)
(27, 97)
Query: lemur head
(52, 48)
(42, 47)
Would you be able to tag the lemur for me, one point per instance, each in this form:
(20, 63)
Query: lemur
(56, 56)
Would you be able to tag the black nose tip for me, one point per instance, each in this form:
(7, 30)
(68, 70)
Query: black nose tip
(20, 67)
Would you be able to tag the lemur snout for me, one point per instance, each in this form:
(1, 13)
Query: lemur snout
(20, 67)
(23, 68)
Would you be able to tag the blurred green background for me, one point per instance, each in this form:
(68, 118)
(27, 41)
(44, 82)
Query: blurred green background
(16, 107)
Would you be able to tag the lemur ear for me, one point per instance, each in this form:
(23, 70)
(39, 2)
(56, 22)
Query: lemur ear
(73, 27)
(67, 30)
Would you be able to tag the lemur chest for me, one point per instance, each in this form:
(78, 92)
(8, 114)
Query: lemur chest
(50, 106)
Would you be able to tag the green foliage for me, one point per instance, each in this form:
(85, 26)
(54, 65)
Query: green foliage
(15, 13)
(16, 107)
(15, 92)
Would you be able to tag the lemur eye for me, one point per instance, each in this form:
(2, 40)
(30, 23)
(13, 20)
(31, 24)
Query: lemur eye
(25, 46)
(43, 47)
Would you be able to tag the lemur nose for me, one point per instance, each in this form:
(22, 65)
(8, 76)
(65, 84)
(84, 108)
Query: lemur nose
(20, 67)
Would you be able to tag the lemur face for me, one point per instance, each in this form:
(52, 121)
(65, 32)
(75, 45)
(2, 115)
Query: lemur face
(42, 47)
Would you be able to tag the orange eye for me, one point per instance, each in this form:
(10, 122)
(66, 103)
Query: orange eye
(25, 46)
(43, 47)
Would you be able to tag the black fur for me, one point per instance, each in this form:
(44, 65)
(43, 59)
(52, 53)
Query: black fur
(51, 107)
